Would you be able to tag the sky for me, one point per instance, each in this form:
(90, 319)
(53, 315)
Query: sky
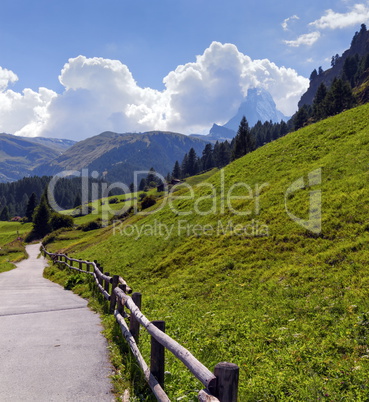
(73, 69)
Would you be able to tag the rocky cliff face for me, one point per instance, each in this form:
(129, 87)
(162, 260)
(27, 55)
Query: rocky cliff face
(359, 45)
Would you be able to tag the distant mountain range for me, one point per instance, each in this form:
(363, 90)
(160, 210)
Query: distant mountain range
(258, 105)
(20, 155)
(116, 156)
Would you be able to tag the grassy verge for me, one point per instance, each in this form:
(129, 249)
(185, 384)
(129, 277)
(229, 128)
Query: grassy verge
(12, 249)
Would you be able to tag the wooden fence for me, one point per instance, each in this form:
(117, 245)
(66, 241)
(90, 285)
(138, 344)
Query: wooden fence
(220, 386)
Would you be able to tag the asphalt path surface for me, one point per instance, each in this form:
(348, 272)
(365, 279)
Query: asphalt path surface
(51, 346)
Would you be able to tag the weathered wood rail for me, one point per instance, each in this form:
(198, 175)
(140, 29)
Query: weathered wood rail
(220, 386)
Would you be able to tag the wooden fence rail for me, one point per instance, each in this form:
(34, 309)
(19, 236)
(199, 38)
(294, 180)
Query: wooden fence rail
(220, 386)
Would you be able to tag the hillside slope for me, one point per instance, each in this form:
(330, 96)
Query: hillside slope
(19, 156)
(119, 155)
(289, 304)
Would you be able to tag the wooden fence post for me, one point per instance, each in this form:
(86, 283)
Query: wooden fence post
(120, 307)
(227, 381)
(113, 298)
(157, 362)
(134, 325)
(99, 278)
(80, 265)
(107, 283)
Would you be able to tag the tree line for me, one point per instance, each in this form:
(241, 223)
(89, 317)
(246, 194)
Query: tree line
(222, 153)
(16, 196)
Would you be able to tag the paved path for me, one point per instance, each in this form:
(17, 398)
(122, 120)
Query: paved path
(51, 346)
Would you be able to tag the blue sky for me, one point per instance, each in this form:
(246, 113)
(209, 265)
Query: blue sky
(179, 65)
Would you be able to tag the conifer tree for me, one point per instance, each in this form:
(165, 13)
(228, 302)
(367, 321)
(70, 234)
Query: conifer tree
(319, 111)
(151, 179)
(32, 204)
(5, 215)
(243, 142)
(301, 117)
(176, 173)
(339, 97)
(41, 217)
(207, 161)
(192, 163)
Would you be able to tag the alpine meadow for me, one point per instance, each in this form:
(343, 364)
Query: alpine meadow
(238, 275)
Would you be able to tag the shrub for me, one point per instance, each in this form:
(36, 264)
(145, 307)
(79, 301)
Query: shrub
(86, 227)
(58, 221)
(148, 201)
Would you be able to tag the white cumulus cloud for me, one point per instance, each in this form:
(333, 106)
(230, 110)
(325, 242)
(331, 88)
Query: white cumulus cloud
(101, 94)
(25, 113)
(286, 22)
(306, 39)
(6, 77)
(358, 14)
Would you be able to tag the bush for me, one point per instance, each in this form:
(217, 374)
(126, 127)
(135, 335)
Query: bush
(113, 200)
(58, 221)
(86, 227)
(148, 201)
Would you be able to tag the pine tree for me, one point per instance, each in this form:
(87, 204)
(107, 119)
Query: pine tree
(41, 217)
(192, 163)
(176, 173)
(301, 118)
(339, 97)
(313, 75)
(4, 215)
(243, 142)
(222, 154)
(207, 161)
(319, 111)
(142, 185)
(152, 179)
(184, 166)
(31, 205)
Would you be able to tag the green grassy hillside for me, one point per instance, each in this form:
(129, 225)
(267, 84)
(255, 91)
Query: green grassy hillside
(242, 280)
(11, 248)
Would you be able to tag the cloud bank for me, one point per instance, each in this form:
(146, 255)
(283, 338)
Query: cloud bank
(101, 94)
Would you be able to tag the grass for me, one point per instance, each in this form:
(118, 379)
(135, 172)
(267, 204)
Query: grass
(11, 244)
(236, 279)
